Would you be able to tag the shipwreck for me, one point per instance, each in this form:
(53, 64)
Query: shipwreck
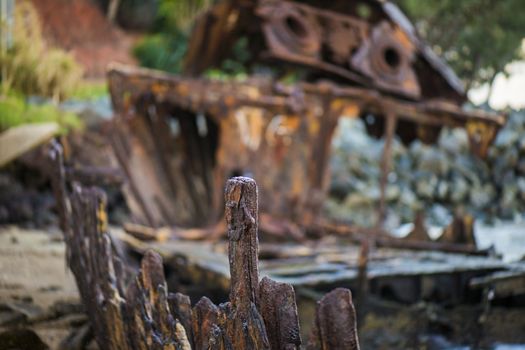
(178, 139)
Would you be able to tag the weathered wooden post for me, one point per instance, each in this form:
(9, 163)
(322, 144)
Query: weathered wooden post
(245, 326)
(335, 326)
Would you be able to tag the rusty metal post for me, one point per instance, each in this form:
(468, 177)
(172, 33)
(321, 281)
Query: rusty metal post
(362, 266)
(390, 129)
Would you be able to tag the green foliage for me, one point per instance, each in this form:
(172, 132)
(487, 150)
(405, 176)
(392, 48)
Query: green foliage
(90, 90)
(15, 111)
(30, 67)
(234, 67)
(176, 15)
(162, 51)
(478, 38)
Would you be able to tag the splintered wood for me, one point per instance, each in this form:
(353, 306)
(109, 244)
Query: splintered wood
(138, 312)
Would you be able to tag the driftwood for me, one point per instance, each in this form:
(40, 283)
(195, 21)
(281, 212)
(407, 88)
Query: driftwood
(138, 312)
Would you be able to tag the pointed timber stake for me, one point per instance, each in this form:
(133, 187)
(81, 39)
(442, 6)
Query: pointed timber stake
(151, 324)
(142, 320)
(241, 218)
(205, 321)
(279, 310)
(57, 176)
(94, 266)
(335, 325)
(180, 307)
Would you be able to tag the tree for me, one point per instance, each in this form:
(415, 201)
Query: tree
(477, 38)
(112, 10)
(165, 46)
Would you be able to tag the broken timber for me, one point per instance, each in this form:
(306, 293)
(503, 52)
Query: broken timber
(138, 312)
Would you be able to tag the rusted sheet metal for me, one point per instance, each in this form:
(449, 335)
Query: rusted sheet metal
(430, 58)
(502, 284)
(248, 130)
(177, 139)
(368, 43)
(295, 33)
(458, 235)
(388, 60)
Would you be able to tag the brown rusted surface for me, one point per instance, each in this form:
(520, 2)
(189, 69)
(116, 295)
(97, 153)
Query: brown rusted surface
(179, 138)
(280, 135)
(368, 43)
(387, 57)
(419, 232)
(460, 231)
(335, 322)
(481, 136)
(386, 160)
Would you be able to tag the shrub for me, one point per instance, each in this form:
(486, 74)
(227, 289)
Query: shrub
(15, 111)
(162, 51)
(90, 90)
(31, 68)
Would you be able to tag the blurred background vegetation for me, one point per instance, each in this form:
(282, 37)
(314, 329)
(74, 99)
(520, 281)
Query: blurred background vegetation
(477, 38)
(30, 68)
(164, 47)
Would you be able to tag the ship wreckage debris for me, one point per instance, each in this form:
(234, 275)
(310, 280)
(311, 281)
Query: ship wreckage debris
(179, 139)
(138, 312)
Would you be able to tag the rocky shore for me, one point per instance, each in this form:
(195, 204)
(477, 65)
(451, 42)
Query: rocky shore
(439, 179)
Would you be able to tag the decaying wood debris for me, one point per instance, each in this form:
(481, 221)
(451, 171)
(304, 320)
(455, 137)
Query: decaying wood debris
(130, 311)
